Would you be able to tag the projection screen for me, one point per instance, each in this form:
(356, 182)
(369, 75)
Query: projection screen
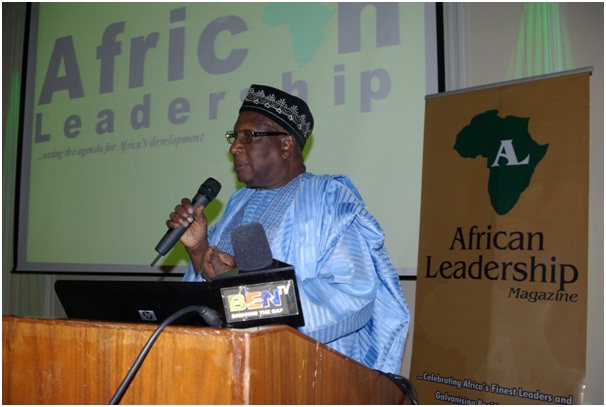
(127, 104)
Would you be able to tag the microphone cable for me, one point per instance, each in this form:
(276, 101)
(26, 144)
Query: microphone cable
(404, 385)
(210, 316)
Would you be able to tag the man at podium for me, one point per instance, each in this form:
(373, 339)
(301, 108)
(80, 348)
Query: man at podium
(350, 294)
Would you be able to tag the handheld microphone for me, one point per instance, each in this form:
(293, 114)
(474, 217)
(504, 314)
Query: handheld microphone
(251, 248)
(206, 193)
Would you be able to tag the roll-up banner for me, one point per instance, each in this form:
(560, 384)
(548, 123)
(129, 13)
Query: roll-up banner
(501, 303)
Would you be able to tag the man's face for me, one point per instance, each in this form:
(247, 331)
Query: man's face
(259, 164)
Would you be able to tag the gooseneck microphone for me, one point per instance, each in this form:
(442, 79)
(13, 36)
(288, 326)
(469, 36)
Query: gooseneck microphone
(206, 193)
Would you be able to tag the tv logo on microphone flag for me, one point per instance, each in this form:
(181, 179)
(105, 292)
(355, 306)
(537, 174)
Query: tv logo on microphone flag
(260, 301)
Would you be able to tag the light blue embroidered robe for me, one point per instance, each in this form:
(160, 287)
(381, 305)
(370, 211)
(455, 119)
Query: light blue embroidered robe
(350, 294)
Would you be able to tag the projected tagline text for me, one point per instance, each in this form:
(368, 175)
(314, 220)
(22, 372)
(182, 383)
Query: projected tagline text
(122, 147)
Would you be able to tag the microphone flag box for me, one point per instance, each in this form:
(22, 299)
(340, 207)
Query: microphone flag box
(260, 298)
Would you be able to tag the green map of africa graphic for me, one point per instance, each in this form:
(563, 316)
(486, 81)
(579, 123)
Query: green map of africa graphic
(511, 155)
(306, 22)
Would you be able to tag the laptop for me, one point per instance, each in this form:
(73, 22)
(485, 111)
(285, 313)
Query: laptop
(242, 300)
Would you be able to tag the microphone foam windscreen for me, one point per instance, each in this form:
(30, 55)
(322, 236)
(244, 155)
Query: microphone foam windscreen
(210, 188)
(251, 248)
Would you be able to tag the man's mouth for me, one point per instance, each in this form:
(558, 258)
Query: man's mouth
(239, 165)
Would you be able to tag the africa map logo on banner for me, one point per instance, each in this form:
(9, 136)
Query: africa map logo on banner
(511, 155)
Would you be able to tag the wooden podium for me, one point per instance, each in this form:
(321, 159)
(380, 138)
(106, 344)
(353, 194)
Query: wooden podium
(83, 362)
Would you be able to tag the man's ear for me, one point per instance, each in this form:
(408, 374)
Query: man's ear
(288, 145)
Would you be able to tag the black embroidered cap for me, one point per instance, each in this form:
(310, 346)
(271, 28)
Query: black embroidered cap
(288, 111)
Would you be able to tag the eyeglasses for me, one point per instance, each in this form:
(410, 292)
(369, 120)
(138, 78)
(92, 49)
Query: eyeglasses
(246, 136)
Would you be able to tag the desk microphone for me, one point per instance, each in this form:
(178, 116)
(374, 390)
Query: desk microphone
(251, 248)
(264, 290)
(206, 193)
